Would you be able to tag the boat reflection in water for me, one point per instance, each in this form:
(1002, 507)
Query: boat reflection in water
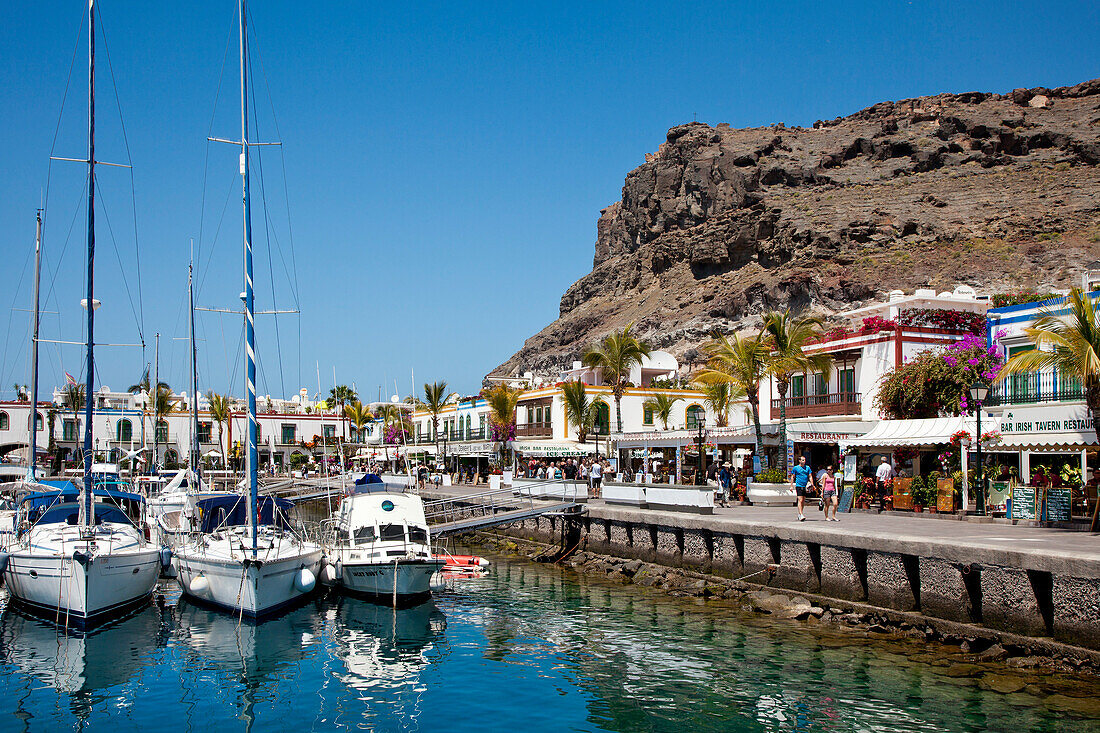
(384, 651)
(80, 662)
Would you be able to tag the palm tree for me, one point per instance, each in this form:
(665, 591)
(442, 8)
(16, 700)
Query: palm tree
(691, 358)
(220, 412)
(142, 387)
(359, 416)
(502, 401)
(1070, 345)
(579, 410)
(22, 392)
(662, 404)
(721, 396)
(341, 395)
(741, 362)
(435, 399)
(615, 356)
(786, 337)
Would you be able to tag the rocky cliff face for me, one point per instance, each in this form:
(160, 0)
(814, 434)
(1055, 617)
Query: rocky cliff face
(720, 224)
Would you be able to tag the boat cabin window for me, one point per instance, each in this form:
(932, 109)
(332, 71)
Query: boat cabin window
(392, 532)
(418, 534)
(364, 534)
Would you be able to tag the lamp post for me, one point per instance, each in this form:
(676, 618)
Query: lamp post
(978, 393)
(700, 439)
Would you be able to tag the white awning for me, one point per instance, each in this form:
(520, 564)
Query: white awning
(740, 434)
(918, 433)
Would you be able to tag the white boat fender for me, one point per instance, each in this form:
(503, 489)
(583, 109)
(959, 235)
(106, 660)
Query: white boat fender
(165, 558)
(199, 586)
(3, 561)
(305, 581)
(328, 574)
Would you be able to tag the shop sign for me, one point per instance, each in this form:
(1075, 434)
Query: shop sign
(823, 437)
(1047, 420)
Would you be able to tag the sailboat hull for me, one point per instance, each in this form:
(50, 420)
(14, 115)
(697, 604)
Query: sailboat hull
(82, 595)
(233, 582)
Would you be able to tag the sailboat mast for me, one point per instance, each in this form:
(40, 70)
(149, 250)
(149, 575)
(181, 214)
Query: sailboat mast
(249, 310)
(156, 401)
(34, 348)
(195, 450)
(89, 389)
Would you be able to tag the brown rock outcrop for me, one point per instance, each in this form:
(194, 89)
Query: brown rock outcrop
(721, 224)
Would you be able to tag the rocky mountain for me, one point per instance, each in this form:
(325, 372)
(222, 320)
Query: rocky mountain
(998, 191)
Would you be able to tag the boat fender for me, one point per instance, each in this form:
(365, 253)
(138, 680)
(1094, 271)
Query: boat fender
(199, 586)
(165, 558)
(305, 581)
(82, 558)
(328, 574)
(3, 561)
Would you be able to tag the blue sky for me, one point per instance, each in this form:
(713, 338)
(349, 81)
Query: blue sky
(445, 162)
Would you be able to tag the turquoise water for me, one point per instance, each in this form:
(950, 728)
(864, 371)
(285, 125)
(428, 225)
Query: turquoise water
(528, 648)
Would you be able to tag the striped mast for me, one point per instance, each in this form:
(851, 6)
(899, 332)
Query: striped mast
(249, 306)
(89, 389)
(34, 350)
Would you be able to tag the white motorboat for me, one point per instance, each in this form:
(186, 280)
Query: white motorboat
(173, 511)
(379, 546)
(76, 572)
(246, 559)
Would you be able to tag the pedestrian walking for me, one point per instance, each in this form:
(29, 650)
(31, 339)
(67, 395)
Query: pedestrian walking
(802, 480)
(829, 498)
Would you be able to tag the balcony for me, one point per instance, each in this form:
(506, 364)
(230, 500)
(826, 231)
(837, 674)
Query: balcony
(457, 436)
(535, 430)
(1027, 389)
(821, 405)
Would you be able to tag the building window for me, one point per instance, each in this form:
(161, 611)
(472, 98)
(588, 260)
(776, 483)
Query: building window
(798, 386)
(37, 421)
(481, 426)
(205, 429)
(287, 434)
(647, 415)
(846, 380)
(694, 417)
(530, 416)
(124, 431)
(820, 385)
(162, 431)
(68, 430)
(3, 421)
(328, 431)
(1022, 387)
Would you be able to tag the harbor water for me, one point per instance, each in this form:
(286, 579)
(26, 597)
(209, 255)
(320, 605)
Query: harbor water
(526, 648)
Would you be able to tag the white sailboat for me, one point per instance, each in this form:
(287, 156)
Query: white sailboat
(79, 563)
(246, 558)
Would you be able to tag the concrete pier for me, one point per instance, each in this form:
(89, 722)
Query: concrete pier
(1025, 580)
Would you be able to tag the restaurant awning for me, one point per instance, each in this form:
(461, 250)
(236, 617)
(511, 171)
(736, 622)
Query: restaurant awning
(740, 434)
(918, 433)
(827, 432)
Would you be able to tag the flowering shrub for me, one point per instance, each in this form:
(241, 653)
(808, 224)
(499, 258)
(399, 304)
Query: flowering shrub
(502, 433)
(1002, 300)
(871, 324)
(949, 320)
(394, 435)
(936, 382)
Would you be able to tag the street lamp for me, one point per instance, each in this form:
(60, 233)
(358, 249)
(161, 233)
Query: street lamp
(596, 438)
(700, 439)
(979, 391)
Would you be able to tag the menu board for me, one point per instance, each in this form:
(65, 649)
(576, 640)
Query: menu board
(1023, 503)
(903, 498)
(945, 498)
(998, 494)
(1057, 505)
(846, 495)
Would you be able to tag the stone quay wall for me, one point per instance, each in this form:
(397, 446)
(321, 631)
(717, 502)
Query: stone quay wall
(1015, 591)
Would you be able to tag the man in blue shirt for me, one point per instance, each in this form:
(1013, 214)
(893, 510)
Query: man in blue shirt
(802, 479)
